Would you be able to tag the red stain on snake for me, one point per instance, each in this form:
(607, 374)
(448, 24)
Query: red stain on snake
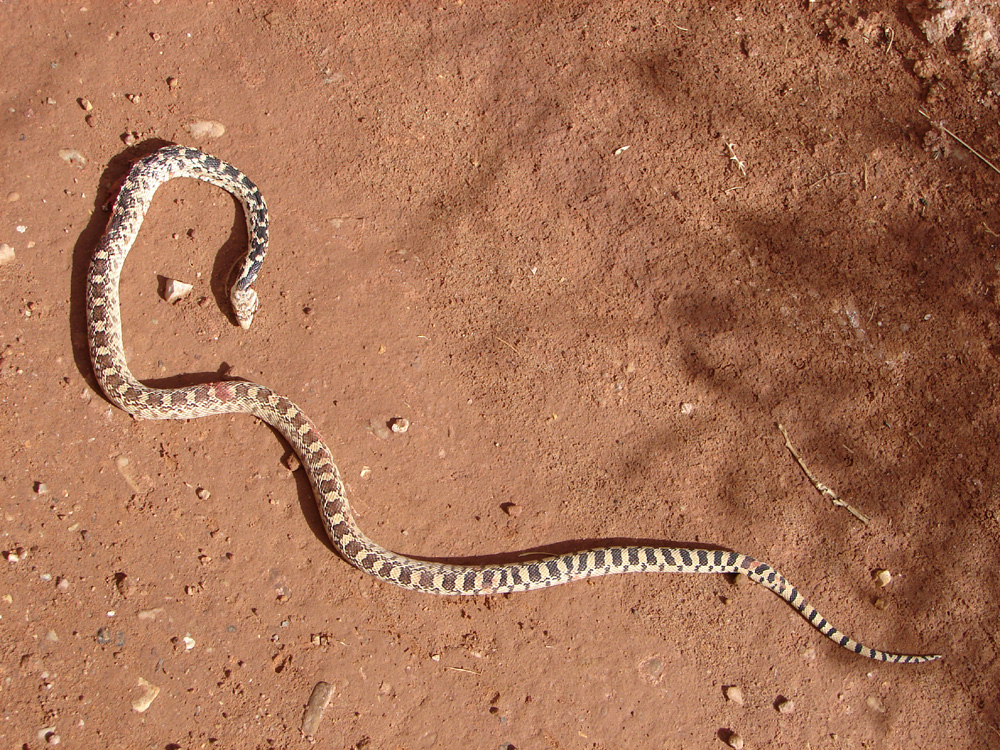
(222, 391)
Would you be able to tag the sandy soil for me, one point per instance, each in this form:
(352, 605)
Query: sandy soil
(594, 254)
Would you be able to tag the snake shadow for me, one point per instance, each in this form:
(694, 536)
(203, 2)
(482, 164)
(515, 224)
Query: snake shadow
(225, 260)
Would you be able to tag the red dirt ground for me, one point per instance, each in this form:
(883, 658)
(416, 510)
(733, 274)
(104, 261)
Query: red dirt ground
(604, 337)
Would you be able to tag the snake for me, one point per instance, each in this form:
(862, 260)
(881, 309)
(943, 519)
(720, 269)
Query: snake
(111, 370)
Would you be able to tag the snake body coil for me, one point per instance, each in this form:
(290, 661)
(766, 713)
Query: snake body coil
(111, 369)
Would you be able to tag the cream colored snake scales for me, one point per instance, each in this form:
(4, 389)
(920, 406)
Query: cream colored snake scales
(107, 354)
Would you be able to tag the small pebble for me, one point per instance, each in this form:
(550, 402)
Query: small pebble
(175, 291)
(882, 578)
(785, 706)
(399, 425)
(511, 509)
(734, 741)
(13, 197)
(202, 493)
(73, 157)
(205, 129)
(379, 429)
(687, 408)
(366, 471)
(91, 120)
(85, 104)
(140, 705)
(6, 254)
(134, 98)
(318, 701)
(52, 738)
(62, 584)
(734, 694)
(173, 84)
(741, 581)
(41, 488)
(291, 462)
(130, 138)
(881, 602)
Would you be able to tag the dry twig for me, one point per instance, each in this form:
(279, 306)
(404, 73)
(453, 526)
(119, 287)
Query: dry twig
(975, 153)
(823, 489)
(507, 343)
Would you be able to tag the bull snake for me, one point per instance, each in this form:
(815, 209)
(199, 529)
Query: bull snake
(122, 389)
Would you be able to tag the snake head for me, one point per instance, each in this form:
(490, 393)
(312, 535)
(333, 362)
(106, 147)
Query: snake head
(245, 304)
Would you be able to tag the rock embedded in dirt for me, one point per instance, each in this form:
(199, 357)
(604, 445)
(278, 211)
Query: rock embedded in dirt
(322, 692)
(734, 741)
(142, 703)
(785, 706)
(205, 129)
(379, 429)
(6, 254)
(882, 578)
(73, 157)
(734, 694)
